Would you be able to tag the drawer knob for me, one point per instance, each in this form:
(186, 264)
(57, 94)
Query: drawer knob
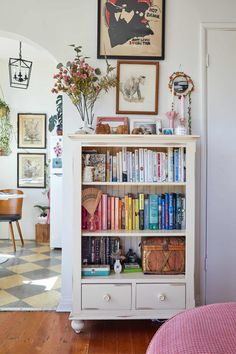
(161, 297)
(106, 297)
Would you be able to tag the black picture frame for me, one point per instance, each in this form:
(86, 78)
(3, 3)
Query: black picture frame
(105, 50)
(29, 178)
(37, 124)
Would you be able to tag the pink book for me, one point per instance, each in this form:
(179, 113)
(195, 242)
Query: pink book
(112, 213)
(109, 213)
(84, 218)
(100, 215)
(104, 212)
(117, 213)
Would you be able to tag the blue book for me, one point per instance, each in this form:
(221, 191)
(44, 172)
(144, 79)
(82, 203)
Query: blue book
(176, 165)
(146, 214)
(153, 211)
(178, 211)
(171, 211)
(163, 209)
(159, 211)
(166, 211)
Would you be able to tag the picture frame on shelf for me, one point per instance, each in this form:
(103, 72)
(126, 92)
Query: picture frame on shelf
(131, 30)
(31, 170)
(112, 125)
(137, 87)
(142, 126)
(31, 132)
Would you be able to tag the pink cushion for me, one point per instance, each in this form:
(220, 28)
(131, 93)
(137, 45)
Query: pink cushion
(209, 329)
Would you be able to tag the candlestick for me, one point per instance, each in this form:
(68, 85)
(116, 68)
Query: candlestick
(172, 115)
(182, 107)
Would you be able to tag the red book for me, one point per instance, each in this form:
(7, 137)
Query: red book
(112, 213)
(109, 213)
(104, 211)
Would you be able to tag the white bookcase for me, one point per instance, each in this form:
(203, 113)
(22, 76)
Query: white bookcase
(132, 295)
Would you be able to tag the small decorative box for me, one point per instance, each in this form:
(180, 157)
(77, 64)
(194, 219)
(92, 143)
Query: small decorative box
(96, 270)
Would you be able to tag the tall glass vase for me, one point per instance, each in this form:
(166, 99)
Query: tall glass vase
(85, 109)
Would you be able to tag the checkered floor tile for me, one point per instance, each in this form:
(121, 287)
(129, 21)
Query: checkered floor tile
(30, 278)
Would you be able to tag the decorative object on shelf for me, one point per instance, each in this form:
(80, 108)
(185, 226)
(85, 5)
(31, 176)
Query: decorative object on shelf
(43, 217)
(56, 120)
(83, 84)
(90, 200)
(5, 127)
(182, 86)
(144, 126)
(168, 131)
(31, 130)
(112, 125)
(172, 115)
(131, 256)
(19, 71)
(117, 257)
(137, 87)
(31, 170)
(131, 29)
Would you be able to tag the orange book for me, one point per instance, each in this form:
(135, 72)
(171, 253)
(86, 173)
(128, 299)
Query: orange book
(112, 213)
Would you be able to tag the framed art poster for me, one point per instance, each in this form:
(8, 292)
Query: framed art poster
(31, 131)
(131, 29)
(31, 170)
(137, 87)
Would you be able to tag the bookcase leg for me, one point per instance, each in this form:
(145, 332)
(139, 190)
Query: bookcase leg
(77, 325)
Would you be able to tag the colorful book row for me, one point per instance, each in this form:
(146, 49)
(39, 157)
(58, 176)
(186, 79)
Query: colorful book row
(139, 212)
(98, 250)
(140, 165)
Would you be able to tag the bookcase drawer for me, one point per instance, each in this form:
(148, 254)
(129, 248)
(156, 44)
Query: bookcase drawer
(160, 296)
(106, 296)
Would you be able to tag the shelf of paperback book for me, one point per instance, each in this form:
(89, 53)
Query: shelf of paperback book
(134, 277)
(183, 184)
(134, 233)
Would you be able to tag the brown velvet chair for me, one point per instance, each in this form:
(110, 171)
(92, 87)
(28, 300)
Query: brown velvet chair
(10, 211)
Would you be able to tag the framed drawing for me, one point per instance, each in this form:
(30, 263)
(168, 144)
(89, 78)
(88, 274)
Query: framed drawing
(31, 131)
(131, 29)
(137, 87)
(31, 170)
(112, 125)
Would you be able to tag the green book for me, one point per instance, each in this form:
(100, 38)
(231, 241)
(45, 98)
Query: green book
(132, 270)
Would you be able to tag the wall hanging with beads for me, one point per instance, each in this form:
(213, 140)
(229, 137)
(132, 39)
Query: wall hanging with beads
(181, 86)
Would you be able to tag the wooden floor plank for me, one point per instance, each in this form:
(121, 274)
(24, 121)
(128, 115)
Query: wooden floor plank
(51, 333)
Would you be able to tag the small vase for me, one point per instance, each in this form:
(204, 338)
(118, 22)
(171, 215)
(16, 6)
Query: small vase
(117, 266)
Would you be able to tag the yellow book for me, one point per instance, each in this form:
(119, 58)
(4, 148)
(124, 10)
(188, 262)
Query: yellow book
(126, 212)
(136, 213)
(130, 212)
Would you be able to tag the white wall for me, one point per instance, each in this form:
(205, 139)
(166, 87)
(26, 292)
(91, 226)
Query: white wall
(56, 23)
(36, 99)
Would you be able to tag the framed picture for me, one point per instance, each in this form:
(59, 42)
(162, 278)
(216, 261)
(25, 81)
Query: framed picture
(137, 87)
(112, 125)
(144, 126)
(31, 170)
(131, 29)
(31, 131)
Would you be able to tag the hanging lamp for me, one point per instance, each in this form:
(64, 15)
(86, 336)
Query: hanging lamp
(19, 71)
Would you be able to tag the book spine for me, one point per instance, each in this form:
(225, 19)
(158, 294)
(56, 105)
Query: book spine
(176, 165)
(153, 213)
(136, 214)
(167, 211)
(118, 168)
(130, 212)
(133, 168)
(141, 211)
(170, 165)
(182, 179)
(154, 164)
(159, 211)
(130, 167)
(126, 212)
(104, 211)
(141, 165)
(114, 169)
(124, 164)
(100, 215)
(136, 163)
(171, 211)
(116, 213)
(163, 210)
(183, 214)
(133, 213)
(146, 214)
(120, 215)
(123, 214)
(149, 166)
(108, 166)
(178, 211)
(109, 213)
(158, 167)
(145, 165)
(112, 213)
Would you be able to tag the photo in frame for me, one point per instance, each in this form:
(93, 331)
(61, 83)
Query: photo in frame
(31, 170)
(112, 125)
(142, 126)
(131, 29)
(137, 87)
(31, 131)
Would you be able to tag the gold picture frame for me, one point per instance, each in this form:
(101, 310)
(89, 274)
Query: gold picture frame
(31, 133)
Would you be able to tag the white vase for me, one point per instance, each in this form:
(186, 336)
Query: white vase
(117, 266)
(42, 219)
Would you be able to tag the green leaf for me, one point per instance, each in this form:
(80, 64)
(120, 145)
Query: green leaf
(59, 65)
(97, 71)
(52, 122)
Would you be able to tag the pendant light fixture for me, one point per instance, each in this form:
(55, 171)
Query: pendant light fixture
(19, 71)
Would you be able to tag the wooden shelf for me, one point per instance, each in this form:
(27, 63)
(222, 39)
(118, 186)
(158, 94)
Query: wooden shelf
(159, 184)
(133, 233)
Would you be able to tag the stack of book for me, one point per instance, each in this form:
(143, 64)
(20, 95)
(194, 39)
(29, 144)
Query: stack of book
(132, 268)
(139, 165)
(98, 250)
(139, 212)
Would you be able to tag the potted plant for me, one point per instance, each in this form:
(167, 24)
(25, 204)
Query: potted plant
(42, 218)
(56, 120)
(5, 128)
